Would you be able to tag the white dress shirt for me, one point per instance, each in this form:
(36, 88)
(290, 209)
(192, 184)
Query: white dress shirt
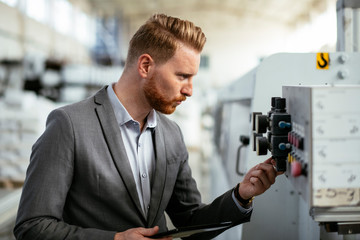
(139, 148)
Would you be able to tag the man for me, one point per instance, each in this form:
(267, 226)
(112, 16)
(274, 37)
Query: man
(110, 166)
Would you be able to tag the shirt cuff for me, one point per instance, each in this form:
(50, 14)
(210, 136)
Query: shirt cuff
(241, 208)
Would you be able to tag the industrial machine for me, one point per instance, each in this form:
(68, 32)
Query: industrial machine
(324, 163)
(316, 141)
(308, 118)
(310, 126)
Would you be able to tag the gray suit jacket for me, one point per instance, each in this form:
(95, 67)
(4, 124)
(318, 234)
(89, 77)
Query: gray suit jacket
(79, 183)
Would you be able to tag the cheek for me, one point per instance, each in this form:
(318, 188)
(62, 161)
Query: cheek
(169, 86)
(166, 83)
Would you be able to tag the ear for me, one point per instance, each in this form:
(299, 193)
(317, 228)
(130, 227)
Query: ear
(144, 65)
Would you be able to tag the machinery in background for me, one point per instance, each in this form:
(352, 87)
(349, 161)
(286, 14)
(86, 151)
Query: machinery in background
(324, 164)
(294, 200)
(317, 143)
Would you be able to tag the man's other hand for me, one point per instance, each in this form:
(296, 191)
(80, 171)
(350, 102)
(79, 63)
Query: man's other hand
(139, 234)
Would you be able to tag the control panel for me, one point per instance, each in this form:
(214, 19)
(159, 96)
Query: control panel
(276, 125)
(324, 161)
(313, 133)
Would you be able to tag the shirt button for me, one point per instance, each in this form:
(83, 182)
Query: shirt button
(144, 175)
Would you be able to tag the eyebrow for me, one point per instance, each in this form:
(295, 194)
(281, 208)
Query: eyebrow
(187, 75)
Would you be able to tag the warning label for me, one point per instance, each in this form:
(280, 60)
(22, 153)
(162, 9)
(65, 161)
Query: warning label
(322, 60)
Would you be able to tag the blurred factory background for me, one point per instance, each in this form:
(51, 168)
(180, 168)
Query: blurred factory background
(54, 52)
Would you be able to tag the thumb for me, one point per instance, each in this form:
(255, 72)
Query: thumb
(270, 161)
(150, 231)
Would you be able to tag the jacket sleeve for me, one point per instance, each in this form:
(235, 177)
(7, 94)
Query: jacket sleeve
(48, 179)
(185, 207)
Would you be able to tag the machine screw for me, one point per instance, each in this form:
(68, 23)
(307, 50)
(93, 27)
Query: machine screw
(342, 74)
(343, 58)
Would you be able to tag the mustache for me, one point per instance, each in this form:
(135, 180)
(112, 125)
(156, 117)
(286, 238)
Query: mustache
(181, 98)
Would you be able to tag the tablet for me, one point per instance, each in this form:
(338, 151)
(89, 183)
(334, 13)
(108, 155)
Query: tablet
(188, 231)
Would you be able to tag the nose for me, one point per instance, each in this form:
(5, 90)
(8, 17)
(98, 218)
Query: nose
(187, 88)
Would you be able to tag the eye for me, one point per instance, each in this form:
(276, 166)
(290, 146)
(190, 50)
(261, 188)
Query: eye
(183, 76)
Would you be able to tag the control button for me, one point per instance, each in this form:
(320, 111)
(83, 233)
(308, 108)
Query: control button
(253, 119)
(290, 137)
(262, 145)
(284, 146)
(261, 123)
(296, 141)
(301, 143)
(283, 124)
(280, 104)
(296, 169)
(289, 158)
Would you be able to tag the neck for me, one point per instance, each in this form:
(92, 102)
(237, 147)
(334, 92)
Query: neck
(128, 90)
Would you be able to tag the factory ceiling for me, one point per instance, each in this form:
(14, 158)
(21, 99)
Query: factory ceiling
(216, 12)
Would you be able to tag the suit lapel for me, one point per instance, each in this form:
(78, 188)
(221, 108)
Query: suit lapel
(160, 174)
(116, 146)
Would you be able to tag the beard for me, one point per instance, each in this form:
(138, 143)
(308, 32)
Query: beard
(157, 98)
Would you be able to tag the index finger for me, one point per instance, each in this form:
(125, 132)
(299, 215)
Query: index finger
(274, 165)
(268, 169)
(272, 161)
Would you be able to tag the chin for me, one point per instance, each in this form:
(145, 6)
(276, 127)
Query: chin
(168, 110)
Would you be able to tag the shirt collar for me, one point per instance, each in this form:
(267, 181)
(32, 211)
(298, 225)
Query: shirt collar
(122, 115)
(151, 119)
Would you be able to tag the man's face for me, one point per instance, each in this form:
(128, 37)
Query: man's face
(171, 82)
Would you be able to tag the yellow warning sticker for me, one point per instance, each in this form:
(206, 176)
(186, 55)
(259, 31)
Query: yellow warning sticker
(322, 60)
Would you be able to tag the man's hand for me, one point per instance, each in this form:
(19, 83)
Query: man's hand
(138, 234)
(258, 179)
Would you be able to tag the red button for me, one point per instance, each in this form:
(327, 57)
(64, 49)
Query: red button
(296, 169)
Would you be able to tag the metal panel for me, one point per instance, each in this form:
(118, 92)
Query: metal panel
(283, 211)
(330, 125)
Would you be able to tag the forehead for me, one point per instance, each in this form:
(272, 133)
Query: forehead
(185, 59)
